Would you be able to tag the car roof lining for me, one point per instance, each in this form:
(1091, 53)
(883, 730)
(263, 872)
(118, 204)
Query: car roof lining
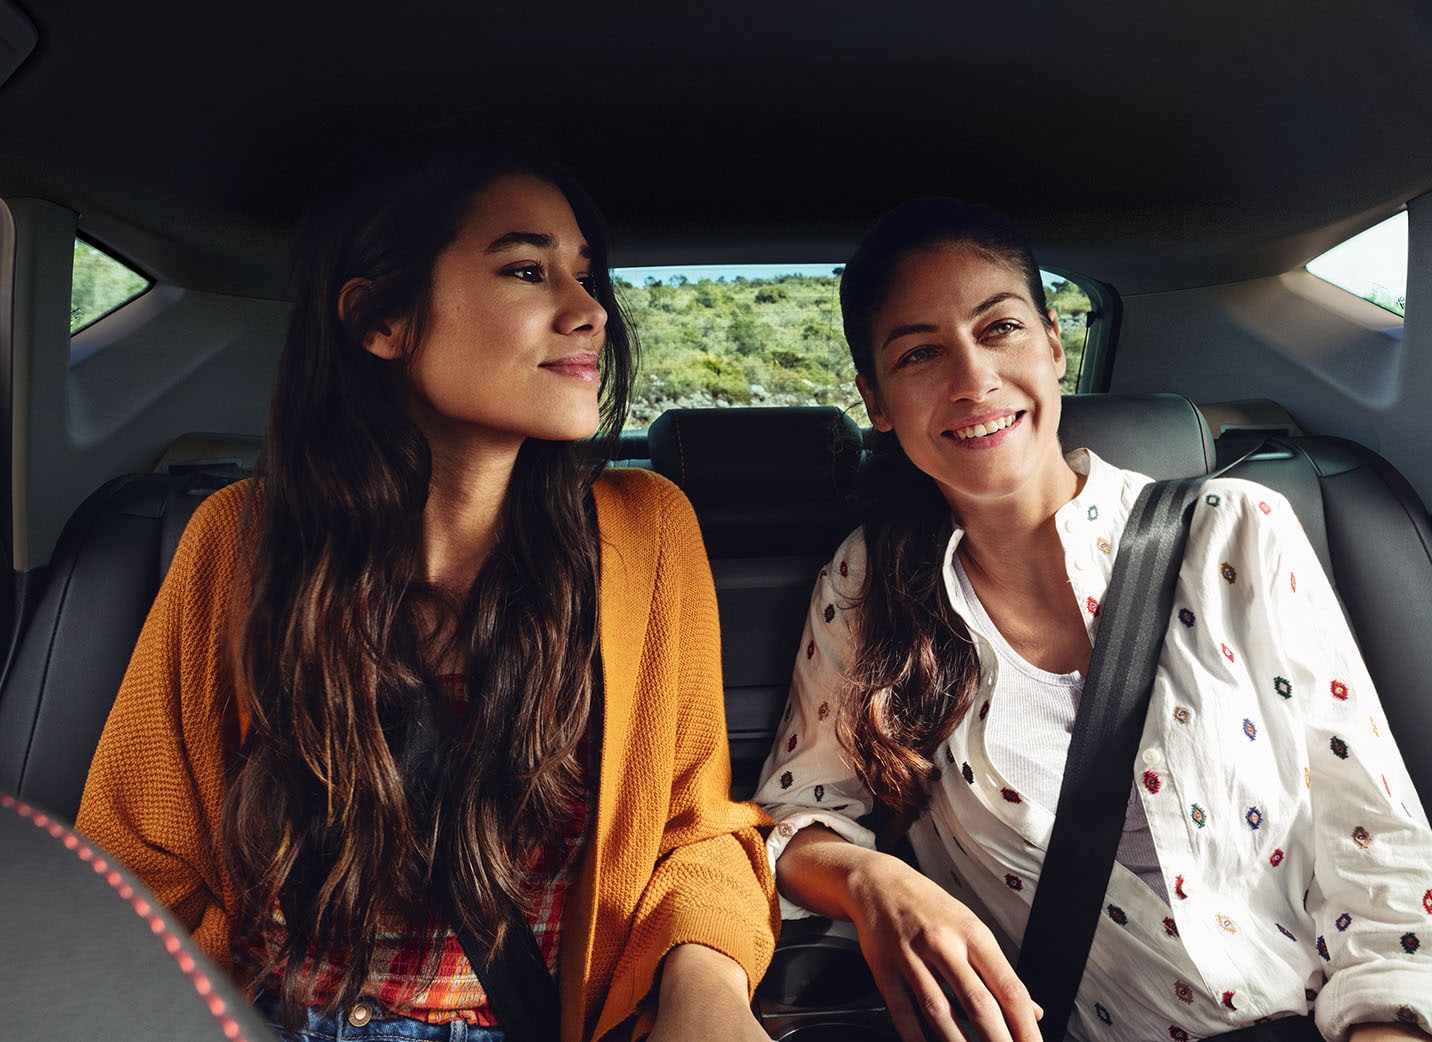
(1156, 151)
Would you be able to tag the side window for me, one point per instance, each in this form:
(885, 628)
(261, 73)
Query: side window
(1065, 297)
(100, 283)
(766, 335)
(1372, 265)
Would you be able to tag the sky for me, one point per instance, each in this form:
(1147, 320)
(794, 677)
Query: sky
(1377, 257)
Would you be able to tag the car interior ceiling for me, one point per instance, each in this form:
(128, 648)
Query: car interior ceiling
(1191, 161)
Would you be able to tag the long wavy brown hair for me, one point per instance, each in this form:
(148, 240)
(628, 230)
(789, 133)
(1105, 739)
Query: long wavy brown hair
(916, 669)
(347, 808)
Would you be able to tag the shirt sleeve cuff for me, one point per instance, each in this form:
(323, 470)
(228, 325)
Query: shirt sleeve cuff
(789, 825)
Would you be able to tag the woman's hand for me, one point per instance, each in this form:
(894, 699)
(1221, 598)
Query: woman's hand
(917, 939)
(703, 996)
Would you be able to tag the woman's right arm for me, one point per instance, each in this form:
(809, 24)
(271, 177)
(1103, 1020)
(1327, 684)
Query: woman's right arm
(918, 940)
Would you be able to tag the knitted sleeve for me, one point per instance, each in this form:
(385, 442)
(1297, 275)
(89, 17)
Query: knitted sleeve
(155, 789)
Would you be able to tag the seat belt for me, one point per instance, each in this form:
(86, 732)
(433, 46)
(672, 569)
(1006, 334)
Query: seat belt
(1094, 795)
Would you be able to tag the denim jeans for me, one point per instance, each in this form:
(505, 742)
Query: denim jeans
(369, 1021)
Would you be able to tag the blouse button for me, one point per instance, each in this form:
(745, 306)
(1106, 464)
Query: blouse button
(360, 1014)
(786, 829)
(1153, 757)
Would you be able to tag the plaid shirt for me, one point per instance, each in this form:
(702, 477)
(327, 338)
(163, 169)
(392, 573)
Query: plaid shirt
(426, 976)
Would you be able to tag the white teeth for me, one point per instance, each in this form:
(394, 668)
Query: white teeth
(980, 430)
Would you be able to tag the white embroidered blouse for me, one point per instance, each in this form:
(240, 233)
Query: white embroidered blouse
(1295, 853)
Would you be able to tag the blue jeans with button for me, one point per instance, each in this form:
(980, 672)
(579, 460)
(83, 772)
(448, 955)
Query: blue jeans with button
(370, 1022)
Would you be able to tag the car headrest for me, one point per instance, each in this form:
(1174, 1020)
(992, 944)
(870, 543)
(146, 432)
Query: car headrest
(86, 944)
(780, 455)
(1161, 435)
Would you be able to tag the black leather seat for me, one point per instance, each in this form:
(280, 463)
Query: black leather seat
(106, 569)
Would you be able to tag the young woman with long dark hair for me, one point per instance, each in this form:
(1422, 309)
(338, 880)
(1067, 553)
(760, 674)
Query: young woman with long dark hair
(1274, 858)
(435, 664)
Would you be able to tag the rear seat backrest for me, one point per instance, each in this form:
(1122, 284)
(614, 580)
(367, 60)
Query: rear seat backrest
(771, 488)
(107, 567)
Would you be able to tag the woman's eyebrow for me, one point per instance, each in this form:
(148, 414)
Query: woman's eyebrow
(539, 240)
(984, 306)
(899, 331)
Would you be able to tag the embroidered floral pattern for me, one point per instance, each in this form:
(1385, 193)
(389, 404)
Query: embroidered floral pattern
(1093, 513)
(1151, 781)
(1264, 507)
(1010, 796)
(966, 773)
(949, 755)
(1178, 888)
(1105, 547)
(1229, 573)
(1285, 931)
(1226, 923)
(1117, 914)
(1183, 991)
(1276, 858)
(844, 570)
(1212, 500)
(791, 744)
(1228, 1001)
(1091, 606)
(1250, 729)
(1013, 882)
(1293, 581)
(1283, 686)
(1361, 837)
(1342, 922)
(810, 650)
(819, 793)
(1199, 815)
(1227, 652)
(1339, 690)
(1376, 732)
(1102, 1014)
(829, 613)
(823, 711)
(1186, 617)
(1175, 1032)
(786, 779)
(1254, 817)
(1182, 714)
(984, 710)
(1170, 927)
(1339, 747)
(1410, 943)
(1427, 902)
(1307, 778)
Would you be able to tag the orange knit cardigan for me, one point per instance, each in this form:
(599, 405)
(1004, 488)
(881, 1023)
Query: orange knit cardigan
(671, 858)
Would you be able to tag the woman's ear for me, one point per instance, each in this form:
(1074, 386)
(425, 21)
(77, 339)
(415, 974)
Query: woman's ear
(873, 408)
(383, 341)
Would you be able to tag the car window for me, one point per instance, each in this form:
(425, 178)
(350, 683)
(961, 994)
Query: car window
(765, 335)
(99, 284)
(1371, 265)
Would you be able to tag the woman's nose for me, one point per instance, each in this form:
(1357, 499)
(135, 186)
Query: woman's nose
(971, 373)
(580, 311)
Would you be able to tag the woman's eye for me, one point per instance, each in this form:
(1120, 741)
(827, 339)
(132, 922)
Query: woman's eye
(526, 272)
(918, 354)
(1004, 327)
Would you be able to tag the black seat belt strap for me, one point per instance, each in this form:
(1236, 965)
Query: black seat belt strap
(1098, 773)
